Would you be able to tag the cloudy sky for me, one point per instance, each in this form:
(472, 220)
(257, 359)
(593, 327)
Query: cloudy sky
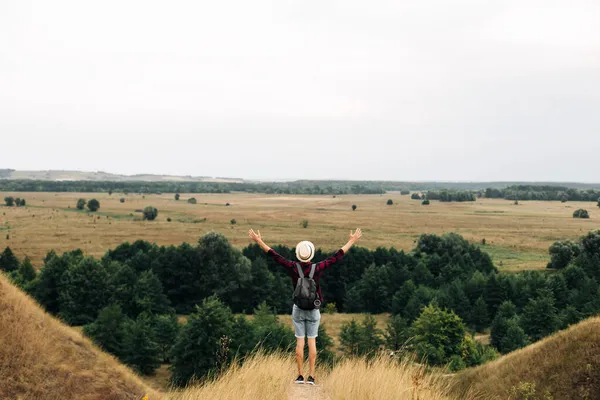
(402, 90)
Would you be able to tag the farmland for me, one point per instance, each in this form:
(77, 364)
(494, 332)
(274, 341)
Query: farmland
(516, 236)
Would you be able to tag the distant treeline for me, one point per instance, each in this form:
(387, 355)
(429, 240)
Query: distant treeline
(496, 189)
(528, 192)
(448, 196)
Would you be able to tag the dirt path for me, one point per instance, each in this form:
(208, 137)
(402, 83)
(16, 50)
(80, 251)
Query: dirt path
(305, 392)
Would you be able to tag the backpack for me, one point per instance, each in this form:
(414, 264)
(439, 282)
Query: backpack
(305, 294)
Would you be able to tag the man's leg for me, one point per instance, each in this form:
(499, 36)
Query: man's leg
(300, 353)
(312, 355)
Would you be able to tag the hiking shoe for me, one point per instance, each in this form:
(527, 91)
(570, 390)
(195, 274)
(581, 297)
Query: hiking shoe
(310, 380)
(300, 379)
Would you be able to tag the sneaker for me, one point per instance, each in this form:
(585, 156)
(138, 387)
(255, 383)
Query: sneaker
(299, 379)
(310, 380)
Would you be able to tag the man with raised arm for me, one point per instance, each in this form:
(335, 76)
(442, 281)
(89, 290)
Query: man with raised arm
(307, 294)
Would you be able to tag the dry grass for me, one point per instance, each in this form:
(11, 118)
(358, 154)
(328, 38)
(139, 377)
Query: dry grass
(261, 377)
(40, 358)
(383, 379)
(566, 364)
(270, 377)
(517, 236)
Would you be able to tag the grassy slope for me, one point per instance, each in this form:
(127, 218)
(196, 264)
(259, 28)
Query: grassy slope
(567, 364)
(41, 358)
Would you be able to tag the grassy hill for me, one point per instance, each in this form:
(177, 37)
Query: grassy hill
(41, 358)
(566, 365)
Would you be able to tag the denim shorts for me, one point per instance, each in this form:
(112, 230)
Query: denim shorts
(306, 322)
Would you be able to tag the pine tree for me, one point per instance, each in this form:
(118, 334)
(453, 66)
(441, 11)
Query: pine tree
(166, 328)
(371, 337)
(8, 261)
(540, 318)
(194, 353)
(515, 337)
(324, 345)
(148, 295)
(142, 352)
(271, 334)
(493, 295)
(108, 330)
(350, 338)
(499, 327)
(396, 333)
(479, 315)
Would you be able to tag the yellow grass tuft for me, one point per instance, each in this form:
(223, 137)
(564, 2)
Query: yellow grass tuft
(383, 379)
(264, 377)
(41, 358)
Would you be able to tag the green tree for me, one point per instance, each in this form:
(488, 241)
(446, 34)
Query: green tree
(271, 334)
(93, 205)
(22, 203)
(150, 213)
(540, 318)
(122, 199)
(177, 196)
(438, 334)
(598, 202)
(194, 353)
(479, 315)
(425, 202)
(396, 333)
(415, 196)
(562, 252)
(8, 261)
(353, 207)
(350, 338)
(25, 275)
(81, 204)
(141, 351)
(9, 201)
(361, 340)
(49, 282)
(192, 200)
(148, 295)
(166, 329)
(515, 337)
(506, 311)
(390, 202)
(108, 330)
(84, 292)
(325, 354)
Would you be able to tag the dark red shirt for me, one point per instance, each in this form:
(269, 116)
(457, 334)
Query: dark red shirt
(292, 270)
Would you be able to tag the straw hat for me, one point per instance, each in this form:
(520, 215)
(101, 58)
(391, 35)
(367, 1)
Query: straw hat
(305, 251)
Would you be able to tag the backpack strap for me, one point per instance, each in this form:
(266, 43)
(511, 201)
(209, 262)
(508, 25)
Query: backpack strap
(312, 271)
(299, 268)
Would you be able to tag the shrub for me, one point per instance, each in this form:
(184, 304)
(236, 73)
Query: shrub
(233, 221)
(581, 213)
(169, 219)
(227, 204)
(304, 223)
(8, 261)
(404, 192)
(93, 205)
(177, 196)
(415, 196)
(192, 200)
(330, 308)
(150, 213)
(562, 252)
(122, 200)
(353, 207)
(110, 192)
(10, 201)
(390, 202)
(81, 204)
(425, 202)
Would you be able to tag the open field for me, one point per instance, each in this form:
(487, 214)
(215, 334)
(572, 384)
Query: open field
(517, 236)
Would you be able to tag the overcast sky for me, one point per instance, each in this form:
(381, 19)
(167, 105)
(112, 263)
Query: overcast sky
(402, 90)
